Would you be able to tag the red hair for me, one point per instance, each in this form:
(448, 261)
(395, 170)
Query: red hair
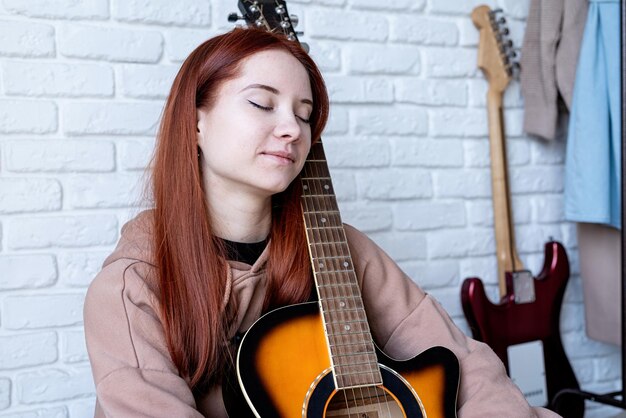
(192, 272)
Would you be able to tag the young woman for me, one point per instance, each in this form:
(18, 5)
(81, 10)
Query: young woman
(225, 243)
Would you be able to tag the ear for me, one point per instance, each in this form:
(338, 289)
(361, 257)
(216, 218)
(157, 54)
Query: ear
(199, 116)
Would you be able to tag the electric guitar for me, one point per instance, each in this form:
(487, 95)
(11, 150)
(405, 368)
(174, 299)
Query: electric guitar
(318, 359)
(526, 320)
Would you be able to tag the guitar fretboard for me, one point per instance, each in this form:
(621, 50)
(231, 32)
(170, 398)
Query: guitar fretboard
(349, 339)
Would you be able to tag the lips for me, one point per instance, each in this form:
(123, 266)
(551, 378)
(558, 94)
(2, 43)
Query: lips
(281, 154)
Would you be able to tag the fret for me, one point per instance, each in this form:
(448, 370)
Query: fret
(320, 204)
(349, 382)
(318, 220)
(334, 270)
(359, 359)
(351, 291)
(326, 234)
(313, 168)
(341, 305)
(312, 186)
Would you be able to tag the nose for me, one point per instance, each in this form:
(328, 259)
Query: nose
(288, 127)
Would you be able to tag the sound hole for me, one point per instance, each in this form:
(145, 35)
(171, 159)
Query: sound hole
(366, 402)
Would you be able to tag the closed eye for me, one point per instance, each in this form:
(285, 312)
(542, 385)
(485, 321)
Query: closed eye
(266, 108)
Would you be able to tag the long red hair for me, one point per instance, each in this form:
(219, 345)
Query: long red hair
(192, 272)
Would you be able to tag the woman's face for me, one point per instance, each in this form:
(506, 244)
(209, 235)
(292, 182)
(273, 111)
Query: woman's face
(256, 136)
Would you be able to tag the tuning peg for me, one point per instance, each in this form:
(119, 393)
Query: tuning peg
(285, 24)
(233, 17)
(294, 20)
(280, 10)
(495, 11)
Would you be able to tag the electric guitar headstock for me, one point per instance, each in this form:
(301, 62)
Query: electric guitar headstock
(496, 56)
(271, 15)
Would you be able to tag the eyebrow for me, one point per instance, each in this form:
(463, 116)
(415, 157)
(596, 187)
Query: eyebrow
(271, 90)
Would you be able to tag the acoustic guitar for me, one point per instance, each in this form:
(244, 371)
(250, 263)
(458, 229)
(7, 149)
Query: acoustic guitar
(318, 359)
(526, 320)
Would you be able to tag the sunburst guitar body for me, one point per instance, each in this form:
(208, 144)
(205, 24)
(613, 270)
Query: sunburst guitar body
(283, 370)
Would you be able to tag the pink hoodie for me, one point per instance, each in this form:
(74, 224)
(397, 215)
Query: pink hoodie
(135, 376)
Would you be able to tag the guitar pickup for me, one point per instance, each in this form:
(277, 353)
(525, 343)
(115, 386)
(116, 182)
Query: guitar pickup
(523, 286)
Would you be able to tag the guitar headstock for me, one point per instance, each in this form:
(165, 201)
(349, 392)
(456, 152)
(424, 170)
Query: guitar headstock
(496, 57)
(271, 15)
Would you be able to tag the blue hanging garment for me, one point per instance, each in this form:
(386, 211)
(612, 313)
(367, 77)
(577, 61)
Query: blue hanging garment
(592, 162)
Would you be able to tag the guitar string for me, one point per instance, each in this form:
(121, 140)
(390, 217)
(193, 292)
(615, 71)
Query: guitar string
(314, 249)
(340, 240)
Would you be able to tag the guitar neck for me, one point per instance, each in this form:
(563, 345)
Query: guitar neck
(508, 259)
(350, 344)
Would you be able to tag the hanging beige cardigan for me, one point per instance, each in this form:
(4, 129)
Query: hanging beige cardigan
(554, 30)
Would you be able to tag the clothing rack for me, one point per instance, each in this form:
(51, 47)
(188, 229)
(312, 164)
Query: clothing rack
(616, 399)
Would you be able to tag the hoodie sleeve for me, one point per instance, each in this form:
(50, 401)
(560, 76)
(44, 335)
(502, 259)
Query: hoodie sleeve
(405, 321)
(132, 368)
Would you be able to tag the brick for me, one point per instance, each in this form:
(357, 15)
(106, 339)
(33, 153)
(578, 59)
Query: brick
(468, 34)
(572, 317)
(512, 97)
(548, 209)
(24, 39)
(73, 348)
(422, 152)
(82, 408)
(327, 55)
(351, 89)
(61, 231)
(77, 269)
(480, 212)
(5, 393)
(180, 42)
(46, 79)
(147, 81)
(366, 218)
(60, 156)
(478, 154)
(92, 191)
(531, 238)
(428, 215)
(113, 118)
(25, 312)
(536, 179)
(423, 31)
(60, 9)
(458, 123)
(27, 271)
(605, 367)
(29, 195)
(402, 246)
(55, 412)
(27, 350)
(432, 274)
(363, 26)
(513, 123)
(394, 184)
(163, 12)
(397, 120)
(450, 62)
(431, 92)
(16, 116)
(135, 154)
(346, 152)
(463, 183)
(338, 122)
(51, 385)
(344, 184)
(110, 44)
(383, 59)
(398, 5)
(547, 152)
(457, 7)
(460, 243)
(485, 268)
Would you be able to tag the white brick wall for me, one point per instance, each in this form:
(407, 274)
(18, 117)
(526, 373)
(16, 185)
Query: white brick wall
(82, 84)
